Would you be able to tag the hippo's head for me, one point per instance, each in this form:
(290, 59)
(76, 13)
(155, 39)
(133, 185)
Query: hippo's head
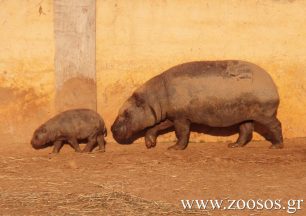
(40, 137)
(134, 116)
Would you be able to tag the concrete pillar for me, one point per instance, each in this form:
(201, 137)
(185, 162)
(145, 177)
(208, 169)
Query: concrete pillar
(75, 54)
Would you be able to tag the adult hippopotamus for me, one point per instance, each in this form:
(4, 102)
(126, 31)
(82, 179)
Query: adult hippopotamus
(212, 93)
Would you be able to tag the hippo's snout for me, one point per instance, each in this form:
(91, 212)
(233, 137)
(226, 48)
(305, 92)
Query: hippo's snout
(35, 144)
(120, 132)
(38, 143)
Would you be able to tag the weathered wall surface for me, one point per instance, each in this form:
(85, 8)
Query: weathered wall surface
(138, 39)
(26, 67)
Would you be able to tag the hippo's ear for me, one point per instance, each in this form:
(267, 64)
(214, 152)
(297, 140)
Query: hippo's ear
(139, 101)
(43, 129)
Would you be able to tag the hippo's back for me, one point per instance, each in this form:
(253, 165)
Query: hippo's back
(86, 115)
(220, 89)
(79, 122)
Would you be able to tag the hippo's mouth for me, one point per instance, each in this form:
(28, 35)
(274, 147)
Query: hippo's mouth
(37, 145)
(121, 135)
(123, 139)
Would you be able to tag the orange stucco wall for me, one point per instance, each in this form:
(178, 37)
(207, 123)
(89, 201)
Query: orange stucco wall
(26, 68)
(138, 39)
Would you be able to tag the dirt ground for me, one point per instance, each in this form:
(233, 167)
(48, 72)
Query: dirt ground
(131, 180)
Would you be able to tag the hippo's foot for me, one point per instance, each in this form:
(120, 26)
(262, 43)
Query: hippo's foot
(86, 151)
(235, 145)
(177, 147)
(150, 141)
(52, 155)
(100, 150)
(277, 146)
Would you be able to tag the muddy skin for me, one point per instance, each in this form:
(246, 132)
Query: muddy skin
(72, 126)
(212, 93)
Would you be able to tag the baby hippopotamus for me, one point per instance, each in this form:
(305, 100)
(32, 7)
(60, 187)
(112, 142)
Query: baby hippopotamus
(211, 93)
(72, 126)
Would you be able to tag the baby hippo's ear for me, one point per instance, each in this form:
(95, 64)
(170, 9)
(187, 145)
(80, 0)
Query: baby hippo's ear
(43, 129)
(139, 101)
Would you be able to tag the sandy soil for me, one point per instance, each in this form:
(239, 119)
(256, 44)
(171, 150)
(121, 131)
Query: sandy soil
(131, 180)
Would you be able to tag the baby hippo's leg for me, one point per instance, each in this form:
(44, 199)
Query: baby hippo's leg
(182, 131)
(101, 143)
(245, 135)
(152, 133)
(92, 141)
(74, 143)
(57, 145)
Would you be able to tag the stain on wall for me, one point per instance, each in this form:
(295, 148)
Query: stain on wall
(77, 92)
(138, 39)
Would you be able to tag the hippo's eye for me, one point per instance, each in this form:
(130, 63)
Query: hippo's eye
(126, 114)
(139, 101)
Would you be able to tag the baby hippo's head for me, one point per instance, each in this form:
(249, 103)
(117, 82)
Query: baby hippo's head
(40, 137)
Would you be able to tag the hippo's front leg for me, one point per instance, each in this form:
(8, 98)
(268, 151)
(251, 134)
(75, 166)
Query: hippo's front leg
(74, 143)
(182, 131)
(57, 145)
(152, 133)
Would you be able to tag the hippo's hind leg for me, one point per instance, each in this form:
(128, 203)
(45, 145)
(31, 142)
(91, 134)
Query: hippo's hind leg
(245, 134)
(182, 131)
(74, 143)
(101, 143)
(152, 133)
(57, 146)
(92, 141)
(275, 135)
